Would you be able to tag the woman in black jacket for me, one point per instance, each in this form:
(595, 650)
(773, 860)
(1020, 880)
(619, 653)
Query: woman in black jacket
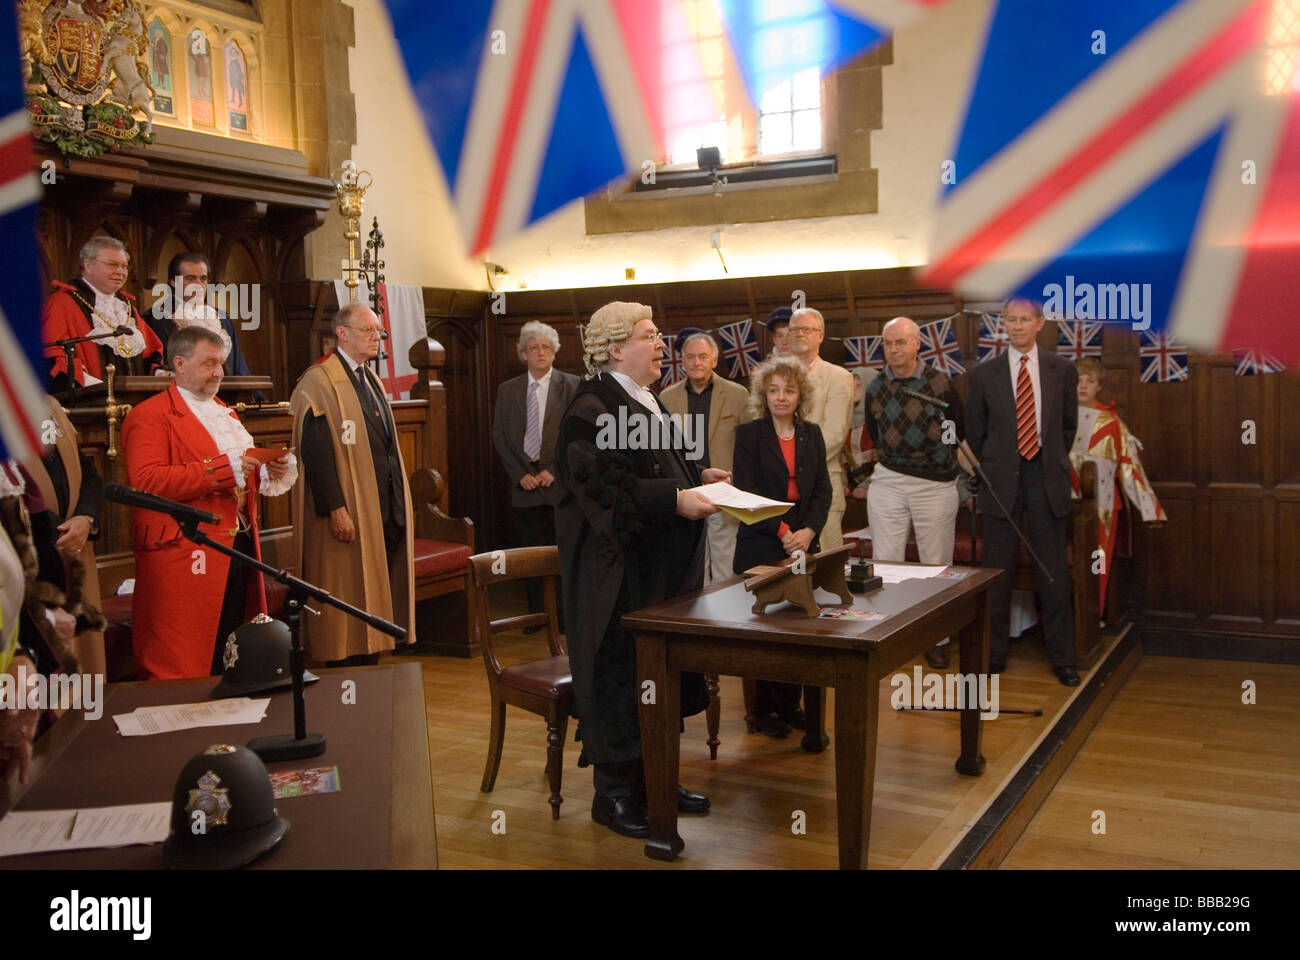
(782, 456)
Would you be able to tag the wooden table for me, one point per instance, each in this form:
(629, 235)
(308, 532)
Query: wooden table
(382, 817)
(713, 631)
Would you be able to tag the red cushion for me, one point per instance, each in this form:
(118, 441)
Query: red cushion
(436, 557)
(549, 678)
(117, 609)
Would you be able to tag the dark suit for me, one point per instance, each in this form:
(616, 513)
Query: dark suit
(317, 456)
(759, 467)
(533, 511)
(1036, 492)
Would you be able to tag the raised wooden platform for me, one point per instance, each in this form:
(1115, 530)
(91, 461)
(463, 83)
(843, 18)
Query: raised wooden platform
(925, 815)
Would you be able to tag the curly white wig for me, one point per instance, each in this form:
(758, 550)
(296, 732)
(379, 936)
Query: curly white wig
(536, 330)
(611, 324)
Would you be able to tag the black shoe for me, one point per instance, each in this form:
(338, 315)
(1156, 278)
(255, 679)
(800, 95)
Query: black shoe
(1067, 675)
(621, 815)
(774, 727)
(795, 719)
(688, 802)
(937, 657)
(997, 666)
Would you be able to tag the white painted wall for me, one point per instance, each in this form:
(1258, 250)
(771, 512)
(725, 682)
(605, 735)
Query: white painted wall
(924, 94)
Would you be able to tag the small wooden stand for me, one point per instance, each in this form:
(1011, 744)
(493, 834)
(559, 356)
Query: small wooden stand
(781, 584)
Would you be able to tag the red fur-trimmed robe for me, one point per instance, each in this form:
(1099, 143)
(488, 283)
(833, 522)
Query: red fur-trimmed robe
(177, 604)
(64, 317)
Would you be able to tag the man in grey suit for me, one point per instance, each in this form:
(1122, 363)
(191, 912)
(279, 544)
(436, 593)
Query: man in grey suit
(528, 413)
(719, 406)
(1021, 412)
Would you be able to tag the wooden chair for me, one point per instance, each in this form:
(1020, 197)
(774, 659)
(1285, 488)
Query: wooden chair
(544, 687)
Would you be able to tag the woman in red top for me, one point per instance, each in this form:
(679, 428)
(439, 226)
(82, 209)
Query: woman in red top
(782, 456)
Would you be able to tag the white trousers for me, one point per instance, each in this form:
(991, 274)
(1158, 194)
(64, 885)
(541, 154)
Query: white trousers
(897, 503)
(719, 546)
(832, 533)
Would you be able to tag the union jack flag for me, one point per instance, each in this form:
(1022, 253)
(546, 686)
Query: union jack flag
(940, 349)
(671, 369)
(1078, 338)
(1122, 163)
(740, 348)
(22, 399)
(533, 103)
(1251, 362)
(993, 337)
(1162, 360)
(864, 352)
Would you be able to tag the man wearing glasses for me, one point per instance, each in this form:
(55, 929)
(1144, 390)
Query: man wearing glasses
(524, 425)
(94, 304)
(629, 532)
(354, 519)
(832, 410)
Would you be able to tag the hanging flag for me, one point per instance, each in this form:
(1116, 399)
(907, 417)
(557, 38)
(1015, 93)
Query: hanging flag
(739, 348)
(1078, 338)
(864, 352)
(671, 369)
(533, 103)
(22, 397)
(1251, 362)
(1162, 360)
(939, 347)
(1143, 155)
(993, 337)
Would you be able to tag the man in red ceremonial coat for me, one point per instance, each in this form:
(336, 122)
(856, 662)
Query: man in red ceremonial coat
(186, 445)
(95, 304)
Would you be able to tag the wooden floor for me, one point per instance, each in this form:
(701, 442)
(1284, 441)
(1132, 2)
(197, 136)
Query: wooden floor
(1185, 773)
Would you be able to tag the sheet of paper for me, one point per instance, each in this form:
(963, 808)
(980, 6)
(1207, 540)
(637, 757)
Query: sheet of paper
(183, 716)
(46, 831)
(746, 507)
(898, 572)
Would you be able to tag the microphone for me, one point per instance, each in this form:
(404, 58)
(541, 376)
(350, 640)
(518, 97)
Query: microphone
(923, 396)
(180, 512)
(123, 331)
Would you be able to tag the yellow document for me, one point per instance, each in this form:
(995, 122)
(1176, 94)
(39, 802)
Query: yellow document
(748, 508)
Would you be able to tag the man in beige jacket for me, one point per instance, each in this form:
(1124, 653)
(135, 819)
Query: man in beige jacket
(717, 406)
(832, 409)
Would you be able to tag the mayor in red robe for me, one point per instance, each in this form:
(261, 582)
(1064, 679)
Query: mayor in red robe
(95, 304)
(185, 445)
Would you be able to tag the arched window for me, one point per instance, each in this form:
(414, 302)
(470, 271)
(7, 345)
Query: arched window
(160, 69)
(198, 57)
(237, 93)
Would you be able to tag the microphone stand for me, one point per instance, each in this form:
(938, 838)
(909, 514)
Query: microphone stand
(301, 744)
(69, 347)
(965, 447)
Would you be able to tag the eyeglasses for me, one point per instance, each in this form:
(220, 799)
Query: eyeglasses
(797, 331)
(655, 337)
(366, 331)
(113, 264)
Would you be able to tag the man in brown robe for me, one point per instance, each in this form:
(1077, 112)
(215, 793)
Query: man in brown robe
(72, 490)
(354, 517)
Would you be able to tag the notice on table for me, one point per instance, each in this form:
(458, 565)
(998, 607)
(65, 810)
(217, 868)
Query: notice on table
(184, 716)
(48, 831)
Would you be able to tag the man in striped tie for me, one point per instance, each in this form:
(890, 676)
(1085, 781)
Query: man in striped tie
(527, 418)
(1021, 414)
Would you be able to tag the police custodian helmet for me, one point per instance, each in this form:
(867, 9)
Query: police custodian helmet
(223, 811)
(256, 659)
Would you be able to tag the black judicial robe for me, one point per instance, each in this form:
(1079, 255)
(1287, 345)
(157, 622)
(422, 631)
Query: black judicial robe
(622, 547)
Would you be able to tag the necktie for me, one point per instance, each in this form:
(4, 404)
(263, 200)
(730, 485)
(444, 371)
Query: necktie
(375, 400)
(1026, 413)
(533, 435)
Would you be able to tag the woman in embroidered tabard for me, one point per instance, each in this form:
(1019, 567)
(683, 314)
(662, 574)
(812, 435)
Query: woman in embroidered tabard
(782, 456)
(1103, 438)
(94, 304)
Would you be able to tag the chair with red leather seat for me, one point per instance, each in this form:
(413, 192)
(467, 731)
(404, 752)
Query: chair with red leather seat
(543, 687)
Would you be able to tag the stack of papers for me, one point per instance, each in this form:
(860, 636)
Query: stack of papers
(182, 716)
(46, 831)
(748, 508)
(898, 572)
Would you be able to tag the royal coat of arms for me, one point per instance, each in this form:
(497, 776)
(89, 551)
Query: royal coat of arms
(86, 74)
